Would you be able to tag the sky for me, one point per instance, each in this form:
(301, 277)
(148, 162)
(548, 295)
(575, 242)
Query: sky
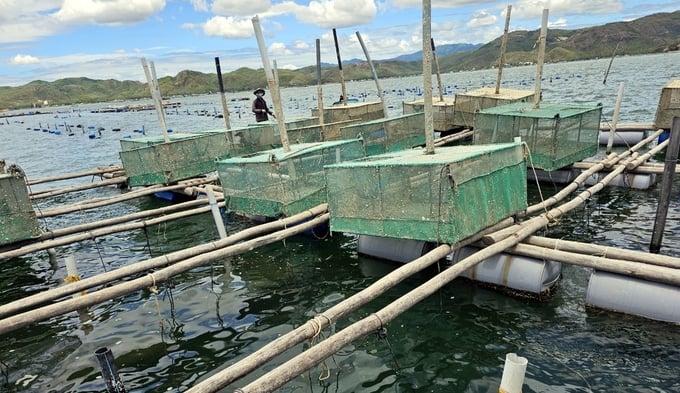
(106, 39)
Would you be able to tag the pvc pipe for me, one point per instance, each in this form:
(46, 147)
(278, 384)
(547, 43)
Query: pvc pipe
(513, 374)
(216, 212)
(374, 73)
(109, 370)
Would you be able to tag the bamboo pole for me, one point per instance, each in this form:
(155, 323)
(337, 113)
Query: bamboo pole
(273, 85)
(223, 98)
(603, 251)
(342, 75)
(150, 72)
(427, 77)
(81, 187)
(312, 327)
(541, 58)
(615, 119)
(319, 90)
(455, 137)
(86, 235)
(374, 73)
(55, 233)
(606, 74)
(437, 70)
(158, 262)
(98, 202)
(504, 45)
(149, 280)
(645, 271)
(580, 179)
(90, 172)
(666, 186)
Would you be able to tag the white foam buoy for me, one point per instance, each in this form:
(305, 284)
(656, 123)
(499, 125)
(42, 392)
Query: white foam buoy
(513, 373)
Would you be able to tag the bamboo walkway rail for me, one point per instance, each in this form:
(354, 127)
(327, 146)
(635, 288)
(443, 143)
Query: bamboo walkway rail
(81, 187)
(92, 172)
(17, 321)
(99, 202)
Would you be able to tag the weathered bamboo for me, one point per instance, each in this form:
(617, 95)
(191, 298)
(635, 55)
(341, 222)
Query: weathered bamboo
(504, 45)
(223, 99)
(452, 138)
(671, 160)
(157, 262)
(580, 179)
(427, 77)
(526, 228)
(646, 156)
(80, 187)
(646, 168)
(91, 172)
(645, 271)
(98, 202)
(615, 119)
(150, 72)
(603, 251)
(317, 353)
(541, 57)
(437, 70)
(150, 280)
(313, 326)
(319, 89)
(86, 235)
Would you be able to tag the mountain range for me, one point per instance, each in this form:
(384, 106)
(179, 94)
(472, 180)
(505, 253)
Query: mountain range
(650, 34)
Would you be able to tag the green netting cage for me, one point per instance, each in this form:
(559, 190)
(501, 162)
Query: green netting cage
(361, 111)
(442, 112)
(18, 221)
(275, 183)
(442, 197)
(669, 105)
(388, 134)
(467, 104)
(557, 134)
(158, 162)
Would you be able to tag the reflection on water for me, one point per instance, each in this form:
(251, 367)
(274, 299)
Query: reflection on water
(170, 338)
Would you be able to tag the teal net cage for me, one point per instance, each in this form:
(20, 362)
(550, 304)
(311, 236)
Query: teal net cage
(274, 183)
(557, 134)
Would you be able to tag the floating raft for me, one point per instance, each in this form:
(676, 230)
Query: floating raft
(473, 101)
(557, 134)
(442, 112)
(274, 183)
(442, 197)
(17, 218)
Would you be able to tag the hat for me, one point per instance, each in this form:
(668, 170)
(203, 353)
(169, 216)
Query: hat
(258, 89)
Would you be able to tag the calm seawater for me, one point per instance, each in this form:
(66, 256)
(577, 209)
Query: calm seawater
(455, 341)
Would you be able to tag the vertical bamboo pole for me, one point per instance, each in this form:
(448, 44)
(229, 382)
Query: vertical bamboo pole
(609, 67)
(319, 90)
(615, 119)
(375, 74)
(150, 72)
(504, 46)
(436, 67)
(427, 77)
(225, 109)
(541, 58)
(342, 76)
(666, 186)
(273, 86)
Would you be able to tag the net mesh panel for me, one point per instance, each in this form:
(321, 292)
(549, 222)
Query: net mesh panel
(557, 134)
(386, 135)
(272, 183)
(17, 218)
(471, 102)
(443, 197)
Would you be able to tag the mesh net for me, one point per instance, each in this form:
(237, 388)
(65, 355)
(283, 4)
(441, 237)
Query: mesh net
(441, 197)
(17, 218)
(557, 134)
(274, 183)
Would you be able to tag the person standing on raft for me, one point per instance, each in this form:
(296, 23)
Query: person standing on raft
(260, 108)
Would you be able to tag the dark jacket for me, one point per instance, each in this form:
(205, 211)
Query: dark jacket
(260, 109)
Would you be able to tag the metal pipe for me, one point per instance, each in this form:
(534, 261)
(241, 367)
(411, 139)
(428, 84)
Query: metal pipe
(109, 371)
(342, 76)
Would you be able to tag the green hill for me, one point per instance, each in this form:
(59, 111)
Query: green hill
(651, 34)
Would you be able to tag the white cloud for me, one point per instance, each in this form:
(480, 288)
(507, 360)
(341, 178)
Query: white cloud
(279, 49)
(240, 7)
(301, 45)
(228, 27)
(24, 59)
(482, 18)
(439, 3)
(200, 5)
(110, 12)
(331, 13)
(533, 9)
